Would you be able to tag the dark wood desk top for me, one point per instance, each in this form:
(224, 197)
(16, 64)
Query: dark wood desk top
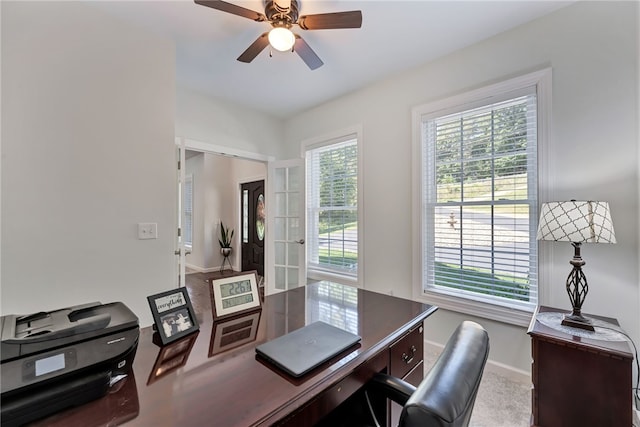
(205, 380)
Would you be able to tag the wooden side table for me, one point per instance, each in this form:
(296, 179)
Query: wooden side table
(579, 380)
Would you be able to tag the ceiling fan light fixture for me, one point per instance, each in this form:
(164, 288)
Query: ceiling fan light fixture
(281, 39)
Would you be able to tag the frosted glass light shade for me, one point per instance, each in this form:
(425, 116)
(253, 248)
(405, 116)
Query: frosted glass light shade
(281, 39)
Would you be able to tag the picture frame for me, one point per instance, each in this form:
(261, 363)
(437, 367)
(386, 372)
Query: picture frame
(173, 314)
(172, 357)
(234, 332)
(235, 294)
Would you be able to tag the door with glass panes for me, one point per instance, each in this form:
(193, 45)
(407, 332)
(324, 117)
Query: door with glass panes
(285, 215)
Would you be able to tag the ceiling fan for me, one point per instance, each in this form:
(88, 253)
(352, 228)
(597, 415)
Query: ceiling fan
(282, 15)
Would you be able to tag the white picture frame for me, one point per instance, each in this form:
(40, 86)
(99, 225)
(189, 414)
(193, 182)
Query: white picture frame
(234, 294)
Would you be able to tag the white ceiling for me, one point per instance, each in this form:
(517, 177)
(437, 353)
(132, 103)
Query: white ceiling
(395, 35)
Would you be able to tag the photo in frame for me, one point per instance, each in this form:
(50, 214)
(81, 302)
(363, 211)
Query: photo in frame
(234, 294)
(172, 357)
(173, 314)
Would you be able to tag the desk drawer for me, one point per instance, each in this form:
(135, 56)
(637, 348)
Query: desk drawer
(407, 352)
(332, 397)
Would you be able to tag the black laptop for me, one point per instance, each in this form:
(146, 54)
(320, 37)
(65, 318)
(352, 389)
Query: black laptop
(300, 351)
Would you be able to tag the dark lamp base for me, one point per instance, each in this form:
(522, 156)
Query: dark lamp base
(577, 322)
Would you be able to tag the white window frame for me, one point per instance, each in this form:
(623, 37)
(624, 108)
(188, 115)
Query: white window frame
(464, 101)
(353, 132)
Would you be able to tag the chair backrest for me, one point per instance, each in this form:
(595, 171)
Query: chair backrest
(446, 395)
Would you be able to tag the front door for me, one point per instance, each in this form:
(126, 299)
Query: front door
(253, 226)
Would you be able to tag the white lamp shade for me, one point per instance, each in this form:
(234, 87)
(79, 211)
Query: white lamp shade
(576, 221)
(281, 39)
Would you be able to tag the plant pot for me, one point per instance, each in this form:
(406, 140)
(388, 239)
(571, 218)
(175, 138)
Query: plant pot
(225, 252)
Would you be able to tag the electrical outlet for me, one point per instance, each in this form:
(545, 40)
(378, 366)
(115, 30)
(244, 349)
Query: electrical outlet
(147, 230)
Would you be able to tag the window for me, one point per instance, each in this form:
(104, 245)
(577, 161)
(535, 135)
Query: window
(188, 211)
(479, 193)
(334, 304)
(332, 207)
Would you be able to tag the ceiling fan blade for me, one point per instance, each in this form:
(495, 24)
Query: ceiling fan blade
(255, 48)
(233, 9)
(307, 54)
(329, 21)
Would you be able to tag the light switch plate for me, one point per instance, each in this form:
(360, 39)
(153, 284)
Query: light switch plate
(147, 230)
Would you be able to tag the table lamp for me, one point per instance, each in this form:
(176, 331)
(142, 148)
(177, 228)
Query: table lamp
(576, 222)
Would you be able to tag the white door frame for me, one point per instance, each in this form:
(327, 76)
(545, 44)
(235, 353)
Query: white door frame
(204, 147)
(180, 250)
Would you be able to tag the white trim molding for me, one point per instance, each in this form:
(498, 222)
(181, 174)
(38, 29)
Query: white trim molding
(206, 147)
(541, 79)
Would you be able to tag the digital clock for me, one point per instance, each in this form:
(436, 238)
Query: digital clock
(234, 294)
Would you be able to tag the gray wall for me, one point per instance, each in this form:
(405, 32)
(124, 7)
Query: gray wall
(88, 110)
(88, 152)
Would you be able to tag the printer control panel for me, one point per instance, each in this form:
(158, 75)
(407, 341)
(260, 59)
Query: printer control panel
(56, 362)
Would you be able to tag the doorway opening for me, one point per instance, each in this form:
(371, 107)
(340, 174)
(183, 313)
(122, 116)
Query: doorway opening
(216, 182)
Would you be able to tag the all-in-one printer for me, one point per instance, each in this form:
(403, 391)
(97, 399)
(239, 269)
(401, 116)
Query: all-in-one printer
(53, 360)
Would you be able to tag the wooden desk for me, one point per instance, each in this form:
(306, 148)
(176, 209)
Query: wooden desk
(579, 381)
(207, 382)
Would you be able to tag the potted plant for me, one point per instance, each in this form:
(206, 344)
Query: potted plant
(226, 236)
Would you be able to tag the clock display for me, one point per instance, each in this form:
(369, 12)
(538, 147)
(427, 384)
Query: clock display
(239, 300)
(235, 294)
(237, 288)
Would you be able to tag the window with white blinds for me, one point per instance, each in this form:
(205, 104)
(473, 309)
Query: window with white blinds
(480, 200)
(332, 207)
(187, 229)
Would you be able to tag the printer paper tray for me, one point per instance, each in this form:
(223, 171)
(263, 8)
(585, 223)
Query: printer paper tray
(34, 404)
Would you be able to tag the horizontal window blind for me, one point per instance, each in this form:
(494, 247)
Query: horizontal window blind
(332, 210)
(481, 202)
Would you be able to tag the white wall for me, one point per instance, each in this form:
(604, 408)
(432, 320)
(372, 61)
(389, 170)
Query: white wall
(216, 181)
(593, 50)
(88, 107)
(215, 124)
(205, 119)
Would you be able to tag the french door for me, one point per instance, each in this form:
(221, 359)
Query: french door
(286, 225)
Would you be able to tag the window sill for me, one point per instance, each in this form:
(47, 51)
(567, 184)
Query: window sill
(500, 313)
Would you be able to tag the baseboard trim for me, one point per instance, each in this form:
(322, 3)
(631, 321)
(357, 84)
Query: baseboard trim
(498, 368)
(201, 269)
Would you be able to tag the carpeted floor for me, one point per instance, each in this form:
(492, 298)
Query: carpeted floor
(504, 400)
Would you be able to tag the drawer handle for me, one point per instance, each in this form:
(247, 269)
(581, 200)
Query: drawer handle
(409, 358)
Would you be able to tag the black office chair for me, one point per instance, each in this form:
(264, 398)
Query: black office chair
(446, 395)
